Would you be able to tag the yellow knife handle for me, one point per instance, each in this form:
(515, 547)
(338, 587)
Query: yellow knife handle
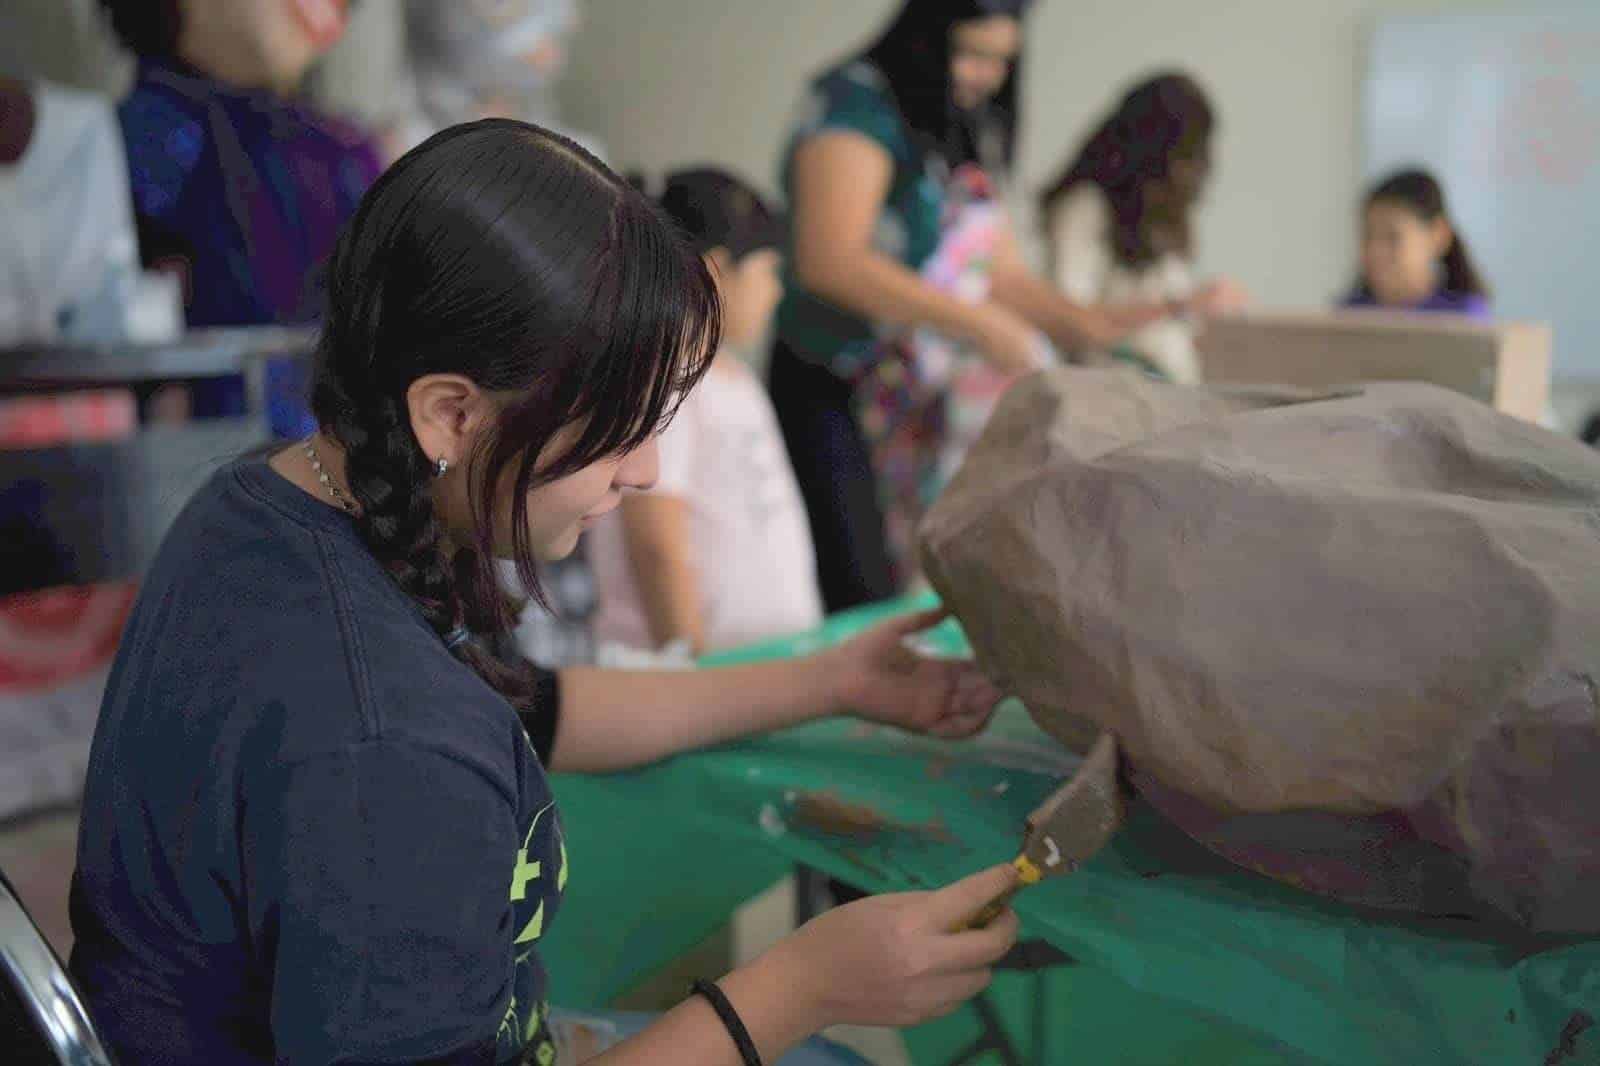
(1028, 873)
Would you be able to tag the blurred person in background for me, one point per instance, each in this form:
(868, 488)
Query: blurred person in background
(908, 304)
(488, 59)
(69, 257)
(238, 186)
(1412, 256)
(718, 553)
(1120, 220)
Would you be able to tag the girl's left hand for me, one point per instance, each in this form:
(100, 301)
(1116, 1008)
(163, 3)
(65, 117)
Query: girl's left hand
(882, 680)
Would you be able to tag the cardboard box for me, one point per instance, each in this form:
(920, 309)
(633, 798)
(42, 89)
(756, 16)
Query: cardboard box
(1505, 364)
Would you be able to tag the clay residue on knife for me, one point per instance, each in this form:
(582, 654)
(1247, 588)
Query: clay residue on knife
(826, 813)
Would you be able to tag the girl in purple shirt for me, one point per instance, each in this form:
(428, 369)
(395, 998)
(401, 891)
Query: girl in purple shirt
(1412, 257)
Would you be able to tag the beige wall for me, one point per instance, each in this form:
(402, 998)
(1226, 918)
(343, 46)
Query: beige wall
(665, 82)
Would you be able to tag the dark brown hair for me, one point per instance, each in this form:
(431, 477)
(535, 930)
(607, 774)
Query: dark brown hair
(714, 209)
(505, 253)
(1420, 193)
(147, 28)
(913, 54)
(1158, 122)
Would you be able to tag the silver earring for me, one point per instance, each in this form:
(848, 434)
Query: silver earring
(442, 467)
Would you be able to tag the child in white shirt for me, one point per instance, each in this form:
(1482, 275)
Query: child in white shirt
(719, 553)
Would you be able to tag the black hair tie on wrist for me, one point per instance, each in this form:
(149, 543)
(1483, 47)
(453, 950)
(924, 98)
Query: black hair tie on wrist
(730, 1020)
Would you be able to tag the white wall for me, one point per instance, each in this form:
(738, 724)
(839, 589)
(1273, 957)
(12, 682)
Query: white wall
(668, 82)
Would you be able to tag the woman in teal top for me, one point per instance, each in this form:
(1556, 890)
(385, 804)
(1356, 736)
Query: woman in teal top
(909, 306)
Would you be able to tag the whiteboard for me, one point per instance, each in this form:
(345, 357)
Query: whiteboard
(1505, 110)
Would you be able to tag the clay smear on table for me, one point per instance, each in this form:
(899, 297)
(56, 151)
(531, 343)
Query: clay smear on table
(826, 813)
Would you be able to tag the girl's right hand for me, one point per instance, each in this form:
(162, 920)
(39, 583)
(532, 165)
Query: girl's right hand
(1008, 341)
(895, 960)
(1221, 296)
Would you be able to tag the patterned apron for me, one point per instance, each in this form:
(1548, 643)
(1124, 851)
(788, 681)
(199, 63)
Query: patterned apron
(924, 397)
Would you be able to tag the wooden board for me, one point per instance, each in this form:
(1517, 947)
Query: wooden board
(1505, 364)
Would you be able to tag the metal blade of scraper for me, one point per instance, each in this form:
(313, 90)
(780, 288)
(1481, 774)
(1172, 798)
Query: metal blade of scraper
(1069, 827)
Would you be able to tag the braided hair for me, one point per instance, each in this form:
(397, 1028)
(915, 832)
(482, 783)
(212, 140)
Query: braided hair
(507, 254)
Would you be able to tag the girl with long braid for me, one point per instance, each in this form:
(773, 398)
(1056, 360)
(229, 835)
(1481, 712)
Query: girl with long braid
(317, 827)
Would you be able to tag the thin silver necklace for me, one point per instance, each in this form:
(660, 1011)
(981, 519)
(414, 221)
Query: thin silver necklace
(334, 491)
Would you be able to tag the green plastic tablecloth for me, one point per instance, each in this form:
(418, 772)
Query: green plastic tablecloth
(1181, 957)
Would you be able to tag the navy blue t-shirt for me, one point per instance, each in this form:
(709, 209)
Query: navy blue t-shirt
(310, 834)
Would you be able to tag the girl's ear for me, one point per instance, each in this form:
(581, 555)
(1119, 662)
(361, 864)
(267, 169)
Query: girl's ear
(447, 412)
